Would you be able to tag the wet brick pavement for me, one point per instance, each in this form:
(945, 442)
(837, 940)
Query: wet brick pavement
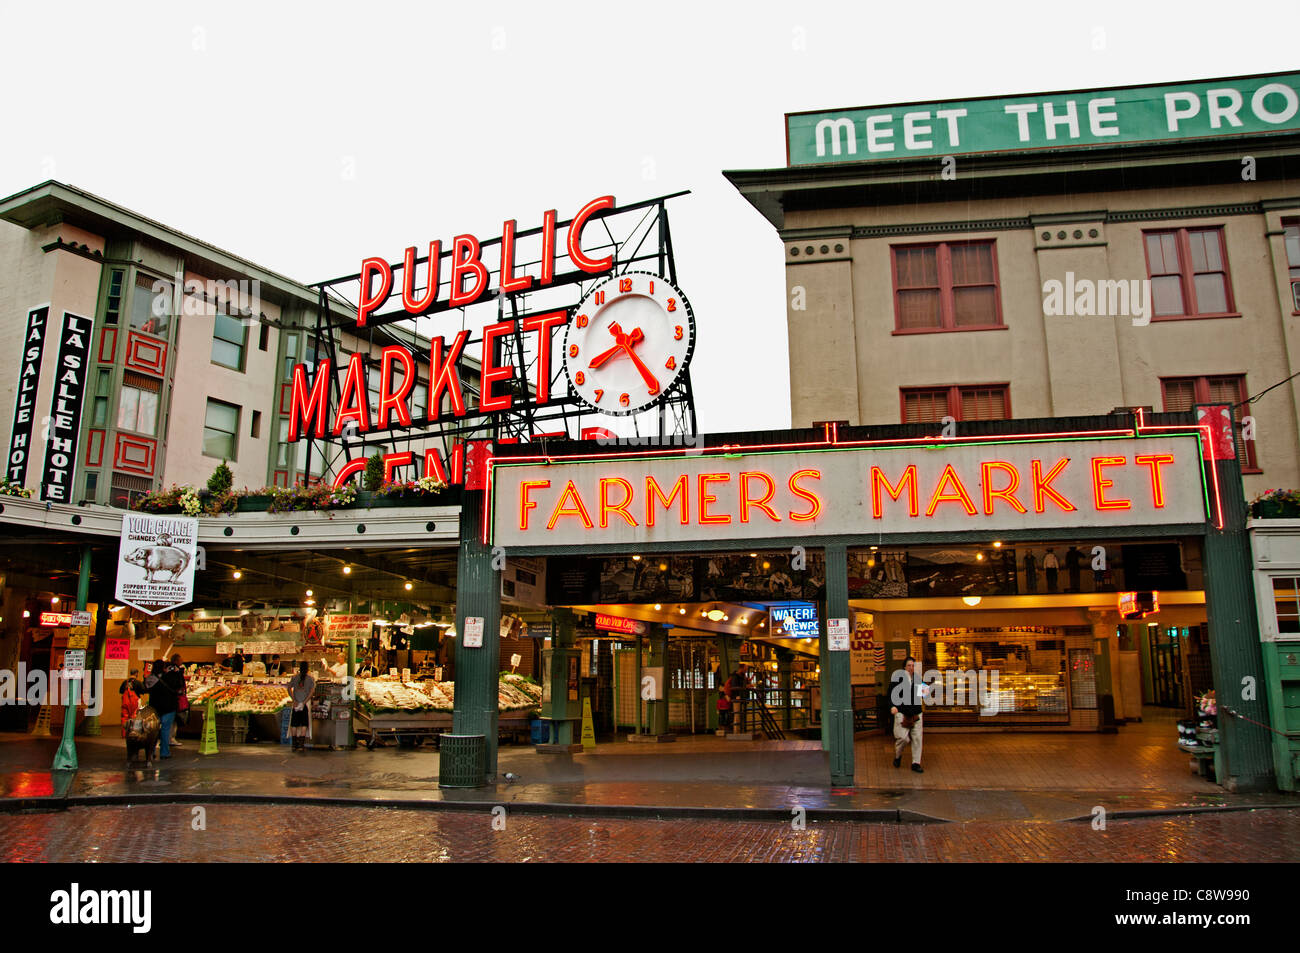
(274, 834)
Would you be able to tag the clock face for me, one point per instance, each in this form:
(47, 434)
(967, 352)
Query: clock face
(628, 341)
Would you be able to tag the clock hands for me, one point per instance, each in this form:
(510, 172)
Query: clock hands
(625, 342)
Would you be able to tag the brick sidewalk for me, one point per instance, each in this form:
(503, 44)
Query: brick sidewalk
(275, 834)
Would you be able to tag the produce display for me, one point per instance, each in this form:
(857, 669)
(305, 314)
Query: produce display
(386, 694)
(239, 699)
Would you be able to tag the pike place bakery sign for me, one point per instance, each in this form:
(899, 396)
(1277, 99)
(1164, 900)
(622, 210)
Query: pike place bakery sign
(766, 493)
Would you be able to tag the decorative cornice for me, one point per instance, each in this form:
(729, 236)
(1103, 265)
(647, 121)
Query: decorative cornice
(931, 228)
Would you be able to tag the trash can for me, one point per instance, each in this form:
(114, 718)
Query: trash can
(461, 762)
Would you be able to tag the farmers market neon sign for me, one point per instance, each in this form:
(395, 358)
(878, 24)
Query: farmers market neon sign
(1122, 481)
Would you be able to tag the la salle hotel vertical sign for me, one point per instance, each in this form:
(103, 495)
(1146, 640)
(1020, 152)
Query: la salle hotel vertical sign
(65, 408)
(29, 381)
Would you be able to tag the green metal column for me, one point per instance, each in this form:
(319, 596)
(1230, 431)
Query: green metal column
(565, 714)
(478, 595)
(65, 759)
(1235, 657)
(837, 694)
(91, 728)
(657, 713)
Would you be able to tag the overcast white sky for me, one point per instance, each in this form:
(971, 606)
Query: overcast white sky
(307, 136)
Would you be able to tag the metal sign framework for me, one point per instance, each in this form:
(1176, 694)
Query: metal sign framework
(637, 236)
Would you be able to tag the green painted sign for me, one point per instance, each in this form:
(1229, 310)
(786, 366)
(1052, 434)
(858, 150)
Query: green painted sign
(1211, 109)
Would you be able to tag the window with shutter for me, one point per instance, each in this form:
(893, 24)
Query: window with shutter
(978, 402)
(949, 286)
(1182, 394)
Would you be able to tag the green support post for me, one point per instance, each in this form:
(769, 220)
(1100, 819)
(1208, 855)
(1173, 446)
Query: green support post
(478, 595)
(640, 702)
(657, 714)
(65, 759)
(1235, 657)
(92, 729)
(837, 694)
(563, 712)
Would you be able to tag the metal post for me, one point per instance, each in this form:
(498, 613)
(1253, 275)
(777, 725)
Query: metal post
(1235, 657)
(640, 702)
(837, 700)
(478, 595)
(65, 759)
(92, 729)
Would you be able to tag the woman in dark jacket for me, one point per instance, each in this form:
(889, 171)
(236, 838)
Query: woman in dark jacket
(164, 686)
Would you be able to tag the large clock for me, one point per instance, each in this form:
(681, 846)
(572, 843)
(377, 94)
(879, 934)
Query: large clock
(629, 340)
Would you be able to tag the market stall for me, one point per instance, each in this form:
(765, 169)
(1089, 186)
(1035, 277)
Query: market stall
(410, 711)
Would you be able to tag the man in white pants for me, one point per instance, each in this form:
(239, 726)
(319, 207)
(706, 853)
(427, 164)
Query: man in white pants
(907, 695)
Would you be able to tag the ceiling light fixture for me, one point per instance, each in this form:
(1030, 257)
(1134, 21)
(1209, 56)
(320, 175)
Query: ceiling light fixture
(658, 606)
(682, 611)
(636, 559)
(997, 544)
(237, 574)
(408, 587)
(54, 601)
(310, 593)
(714, 615)
(347, 570)
(971, 600)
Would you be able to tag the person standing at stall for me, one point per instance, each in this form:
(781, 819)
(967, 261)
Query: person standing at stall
(164, 686)
(301, 687)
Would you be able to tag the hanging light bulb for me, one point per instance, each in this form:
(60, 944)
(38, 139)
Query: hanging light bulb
(408, 587)
(347, 570)
(223, 630)
(237, 574)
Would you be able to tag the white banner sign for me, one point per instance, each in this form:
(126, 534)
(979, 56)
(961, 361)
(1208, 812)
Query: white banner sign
(155, 567)
(473, 632)
(1062, 484)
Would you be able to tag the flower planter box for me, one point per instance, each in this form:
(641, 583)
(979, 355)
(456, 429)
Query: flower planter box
(253, 504)
(369, 500)
(1275, 510)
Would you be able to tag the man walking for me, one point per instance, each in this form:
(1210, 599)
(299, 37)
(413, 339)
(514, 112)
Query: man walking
(907, 695)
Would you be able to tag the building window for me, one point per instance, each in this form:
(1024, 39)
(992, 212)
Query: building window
(113, 302)
(137, 409)
(103, 387)
(286, 451)
(255, 431)
(1286, 603)
(1292, 232)
(92, 488)
(229, 336)
(950, 286)
(1184, 393)
(1188, 268)
(124, 490)
(976, 402)
(221, 430)
(263, 336)
(151, 304)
